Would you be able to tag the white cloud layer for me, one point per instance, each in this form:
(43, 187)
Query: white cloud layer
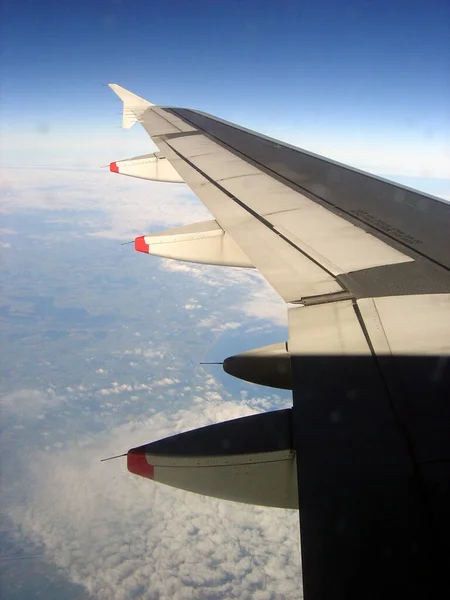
(128, 207)
(28, 403)
(263, 302)
(123, 537)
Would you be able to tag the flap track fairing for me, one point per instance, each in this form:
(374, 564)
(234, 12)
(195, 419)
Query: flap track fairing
(268, 365)
(248, 460)
(153, 167)
(204, 242)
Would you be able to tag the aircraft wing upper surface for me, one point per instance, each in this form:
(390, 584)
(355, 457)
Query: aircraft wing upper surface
(365, 266)
(318, 231)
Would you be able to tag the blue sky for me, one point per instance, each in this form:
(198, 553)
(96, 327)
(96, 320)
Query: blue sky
(353, 80)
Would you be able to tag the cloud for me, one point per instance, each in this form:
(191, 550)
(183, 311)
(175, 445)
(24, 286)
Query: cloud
(152, 354)
(213, 324)
(165, 381)
(266, 306)
(29, 403)
(263, 303)
(123, 537)
(113, 206)
(199, 271)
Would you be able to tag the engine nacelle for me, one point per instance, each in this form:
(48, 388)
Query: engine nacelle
(204, 242)
(149, 166)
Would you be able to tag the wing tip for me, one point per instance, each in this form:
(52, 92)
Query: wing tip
(133, 105)
(127, 97)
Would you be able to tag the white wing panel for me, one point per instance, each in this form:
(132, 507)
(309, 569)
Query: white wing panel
(290, 272)
(196, 145)
(418, 324)
(155, 124)
(395, 325)
(332, 241)
(335, 243)
(174, 120)
(326, 329)
(222, 165)
(263, 193)
(374, 327)
(212, 159)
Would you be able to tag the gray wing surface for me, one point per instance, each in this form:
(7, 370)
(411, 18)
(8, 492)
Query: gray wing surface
(364, 266)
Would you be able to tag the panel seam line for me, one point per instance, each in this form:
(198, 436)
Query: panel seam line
(308, 193)
(260, 218)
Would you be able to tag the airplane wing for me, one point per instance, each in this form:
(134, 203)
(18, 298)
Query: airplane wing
(364, 267)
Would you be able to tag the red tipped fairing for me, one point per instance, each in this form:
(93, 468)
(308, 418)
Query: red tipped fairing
(137, 464)
(153, 167)
(205, 242)
(247, 460)
(140, 245)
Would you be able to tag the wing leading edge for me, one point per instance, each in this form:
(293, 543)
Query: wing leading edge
(366, 262)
